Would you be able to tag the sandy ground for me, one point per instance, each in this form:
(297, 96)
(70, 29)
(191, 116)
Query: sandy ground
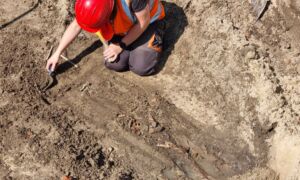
(225, 104)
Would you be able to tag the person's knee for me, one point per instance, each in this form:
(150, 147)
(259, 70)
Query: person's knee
(142, 71)
(143, 61)
(115, 66)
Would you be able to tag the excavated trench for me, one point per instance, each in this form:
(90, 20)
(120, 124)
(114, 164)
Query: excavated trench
(225, 104)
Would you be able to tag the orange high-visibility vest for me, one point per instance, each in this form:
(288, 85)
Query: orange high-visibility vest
(125, 19)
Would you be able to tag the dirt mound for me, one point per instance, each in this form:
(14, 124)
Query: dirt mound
(224, 105)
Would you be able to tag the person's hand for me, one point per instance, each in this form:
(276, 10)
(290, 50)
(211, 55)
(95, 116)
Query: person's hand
(52, 62)
(112, 52)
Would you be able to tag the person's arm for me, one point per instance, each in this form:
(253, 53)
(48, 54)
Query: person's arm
(70, 34)
(143, 21)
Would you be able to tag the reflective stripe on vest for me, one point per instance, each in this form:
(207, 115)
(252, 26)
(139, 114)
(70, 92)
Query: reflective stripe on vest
(155, 6)
(127, 11)
(158, 13)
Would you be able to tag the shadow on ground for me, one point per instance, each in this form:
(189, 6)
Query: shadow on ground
(176, 23)
(66, 65)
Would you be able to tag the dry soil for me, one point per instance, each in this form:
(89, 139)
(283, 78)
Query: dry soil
(225, 104)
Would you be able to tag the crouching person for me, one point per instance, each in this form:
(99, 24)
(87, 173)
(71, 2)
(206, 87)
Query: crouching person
(133, 29)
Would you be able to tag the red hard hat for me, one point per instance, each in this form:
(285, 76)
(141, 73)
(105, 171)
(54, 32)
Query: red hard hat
(92, 14)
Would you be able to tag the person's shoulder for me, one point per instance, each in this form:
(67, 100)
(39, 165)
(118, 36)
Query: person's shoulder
(138, 5)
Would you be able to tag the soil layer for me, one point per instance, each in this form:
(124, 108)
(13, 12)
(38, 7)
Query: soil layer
(225, 104)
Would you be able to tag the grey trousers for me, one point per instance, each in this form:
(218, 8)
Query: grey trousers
(142, 56)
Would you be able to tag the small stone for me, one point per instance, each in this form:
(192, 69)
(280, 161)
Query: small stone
(121, 115)
(86, 85)
(287, 46)
(110, 149)
(51, 8)
(251, 55)
(91, 162)
(102, 175)
(153, 130)
(67, 89)
(130, 123)
(287, 61)
(151, 118)
(159, 129)
(154, 124)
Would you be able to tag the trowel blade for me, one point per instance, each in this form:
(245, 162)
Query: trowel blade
(51, 81)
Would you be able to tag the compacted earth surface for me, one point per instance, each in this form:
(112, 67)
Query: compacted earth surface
(224, 105)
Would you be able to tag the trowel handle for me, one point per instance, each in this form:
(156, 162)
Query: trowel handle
(104, 42)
